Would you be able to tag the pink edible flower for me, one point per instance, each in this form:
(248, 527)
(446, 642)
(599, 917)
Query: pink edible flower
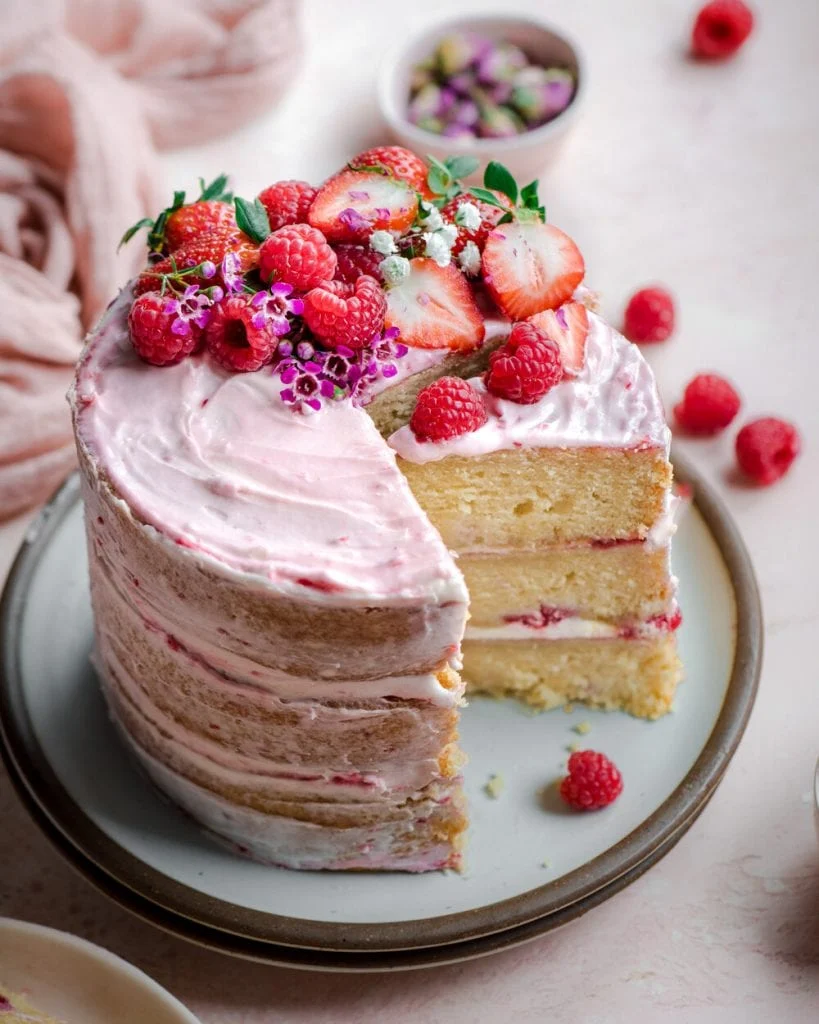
(273, 308)
(192, 306)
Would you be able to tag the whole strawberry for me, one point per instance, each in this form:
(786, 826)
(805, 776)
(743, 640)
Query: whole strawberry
(484, 218)
(209, 247)
(526, 367)
(233, 338)
(348, 315)
(355, 260)
(299, 255)
(397, 161)
(287, 202)
(449, 407)
(151, 322)
(195, 219)
(593, 781)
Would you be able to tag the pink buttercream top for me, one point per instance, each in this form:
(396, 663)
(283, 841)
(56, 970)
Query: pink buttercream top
(314, 506)
(613, 402)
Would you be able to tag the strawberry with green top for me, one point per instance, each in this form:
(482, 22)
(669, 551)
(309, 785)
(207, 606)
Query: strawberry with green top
(528, 265)
(178, 223)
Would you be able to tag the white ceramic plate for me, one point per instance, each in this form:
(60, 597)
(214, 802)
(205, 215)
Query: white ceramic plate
(63, 748)
(80, 983)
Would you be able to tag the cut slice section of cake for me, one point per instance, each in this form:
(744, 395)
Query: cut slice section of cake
(559, 510)
(17, 1009)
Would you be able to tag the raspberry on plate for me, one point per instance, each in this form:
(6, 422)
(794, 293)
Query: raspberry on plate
(447, 408)
(593, 781)
(708, 405)
(720, 29)
(649, 316)
(287, 202)
(526, 367)
(355, 260)
(299, 255)
(232, 338)
(766, 449)
(401, 163)
(150, 326)
(346, 314)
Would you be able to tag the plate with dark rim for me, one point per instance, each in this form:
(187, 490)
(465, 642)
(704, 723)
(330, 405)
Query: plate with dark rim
(529, 861)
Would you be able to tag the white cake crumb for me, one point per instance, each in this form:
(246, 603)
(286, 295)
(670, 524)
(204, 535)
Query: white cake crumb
(494, 787)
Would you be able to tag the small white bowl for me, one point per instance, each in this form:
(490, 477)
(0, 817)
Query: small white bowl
(525, 155)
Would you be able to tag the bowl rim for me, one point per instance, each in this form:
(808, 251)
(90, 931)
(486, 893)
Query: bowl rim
(396, 58)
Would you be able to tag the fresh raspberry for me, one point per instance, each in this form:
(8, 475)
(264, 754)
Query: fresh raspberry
(526, 367)
(401, 163)
(766, 449)
(287, 202)
(210, 246)
(355, 260)
(189, 221)
(149, 325)
(447, 408)
(299, 255)
(233, 340)
(346, 314)
(490, 215)
(708, 405)
(649, 316)
(721, 28)
(593, 781)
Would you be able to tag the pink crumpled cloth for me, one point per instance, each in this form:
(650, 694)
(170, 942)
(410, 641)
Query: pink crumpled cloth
(88, 88)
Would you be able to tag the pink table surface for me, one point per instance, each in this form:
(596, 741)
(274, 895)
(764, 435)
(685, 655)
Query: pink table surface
(704, 178)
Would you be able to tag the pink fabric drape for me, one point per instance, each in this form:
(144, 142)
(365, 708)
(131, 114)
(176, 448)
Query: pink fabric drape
(88, 88)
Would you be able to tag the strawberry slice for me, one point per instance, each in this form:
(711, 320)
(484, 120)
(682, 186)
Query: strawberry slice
(353, 204)
(529, 266)
(433, 307)
(568, 326)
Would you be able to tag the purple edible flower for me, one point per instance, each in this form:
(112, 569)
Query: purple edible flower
(353, 221)
(274, 306)
(232, 272)
(358, 195)
(192, 306)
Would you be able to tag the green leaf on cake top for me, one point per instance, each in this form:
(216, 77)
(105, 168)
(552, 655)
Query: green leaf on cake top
(526, 204)
(444, 178)
(251, 217)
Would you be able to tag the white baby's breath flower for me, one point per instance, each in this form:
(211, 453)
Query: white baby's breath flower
(394, 269)
(449, 233)
(435, 246)
(469, 259)
(431, 217)
(383, 242)
(468, 216)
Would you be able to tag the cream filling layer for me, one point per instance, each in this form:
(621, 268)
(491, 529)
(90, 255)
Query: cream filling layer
(574, 627)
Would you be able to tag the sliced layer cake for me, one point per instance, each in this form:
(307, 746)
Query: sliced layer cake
(278, 612)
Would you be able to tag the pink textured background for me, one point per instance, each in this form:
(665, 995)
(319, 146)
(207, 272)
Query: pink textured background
(705, 178)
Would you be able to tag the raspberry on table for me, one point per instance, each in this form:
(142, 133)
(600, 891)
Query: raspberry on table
(720, 29)
(526, 367)
(348, 315)
(287, 202)
(150, 328)
(766, 449)
(593, 781)
(232, 338)
(708, 405)
(355, 260)
(447, 408)
(299, 255)
(649, 316)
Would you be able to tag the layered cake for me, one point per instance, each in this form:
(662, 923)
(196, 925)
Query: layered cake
(320, 431)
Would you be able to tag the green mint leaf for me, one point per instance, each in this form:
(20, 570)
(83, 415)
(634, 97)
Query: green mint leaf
(497, 177)
(438, 180)
(507, 218)
(216, 189)
(486, 196)
(145, 222)
(529, 197)
(252, 219)
(462, 166)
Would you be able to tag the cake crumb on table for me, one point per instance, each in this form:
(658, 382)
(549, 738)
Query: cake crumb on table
(582, 728)
(494, 787)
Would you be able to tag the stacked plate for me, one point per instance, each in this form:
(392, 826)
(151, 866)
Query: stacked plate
(531, 864)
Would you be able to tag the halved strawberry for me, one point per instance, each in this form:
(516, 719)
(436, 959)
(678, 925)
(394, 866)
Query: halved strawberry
(353, 204)
(529, 266)
(568, 326)
(433, 307)
(399, 162)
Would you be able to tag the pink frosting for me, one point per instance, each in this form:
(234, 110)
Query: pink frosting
(313, 506)
(613, 402)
